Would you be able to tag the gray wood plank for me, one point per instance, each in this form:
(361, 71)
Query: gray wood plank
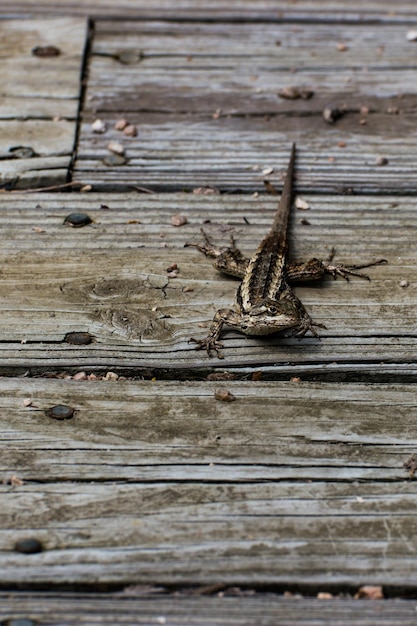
(40, 99)
(291, 484)
(245, 609)
(372, 10)
(265, 609)
(110, 279)
(204, 98)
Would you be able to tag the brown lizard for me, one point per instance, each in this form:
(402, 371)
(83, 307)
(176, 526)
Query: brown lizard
(265, 302)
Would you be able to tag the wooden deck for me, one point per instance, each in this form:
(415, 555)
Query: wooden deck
(131, 491)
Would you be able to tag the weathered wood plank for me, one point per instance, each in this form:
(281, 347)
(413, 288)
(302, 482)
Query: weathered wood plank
(185, 487)
(335, 432)
(372, 10)
(244, 609)
(110, 279)
(40, 99)
(204, 98)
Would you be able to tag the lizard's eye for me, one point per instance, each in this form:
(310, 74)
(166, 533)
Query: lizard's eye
(272, 309)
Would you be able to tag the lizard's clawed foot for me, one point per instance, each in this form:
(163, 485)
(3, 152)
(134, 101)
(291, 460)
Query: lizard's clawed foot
(209, 345)
(305, 326)
(209, 249)
(348, 270)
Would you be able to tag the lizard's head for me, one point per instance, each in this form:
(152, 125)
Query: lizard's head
(269, 316)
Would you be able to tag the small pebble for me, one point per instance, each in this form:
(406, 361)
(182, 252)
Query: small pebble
(98, 126)
(80, 376)
(130, 130)
(178, 220)
(267, 171)
(331, 114)
(111, 376)
(404, 284)
(301, 204)
(381, 161)
(121, 124)
(116, 147)
(113, 160)
(27, 402)
(224, 395)
(412, 35)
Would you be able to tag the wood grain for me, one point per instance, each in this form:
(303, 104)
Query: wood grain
(40, 99)
(291, 484)
(224, 609)
(205, 100)
(374, 11)
(110, 279)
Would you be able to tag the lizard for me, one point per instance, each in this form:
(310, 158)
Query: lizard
(265, 301)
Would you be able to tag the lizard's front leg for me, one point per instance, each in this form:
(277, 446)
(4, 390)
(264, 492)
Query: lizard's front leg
(228, 260)
(314, 269)
(211, 342)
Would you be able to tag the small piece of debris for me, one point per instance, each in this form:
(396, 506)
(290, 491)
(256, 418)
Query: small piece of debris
(15, 481)
(216, 114)
(86, 188)
(404, 284)
(295, 93)
(393, 110)
(38, 229)
(342, 47)
(130, 130)
(121, 124)
(304, 222)
(301, 204)
(224, 395)
(364, 110)
(341, 144)
(295, 379)
(27, 402)
(369, 592)
(381, 161)
(270, 188)
(172, 267)
(267, 171)
(205, 191)
(257, 376)
(324, 595)
(412, 35)
(410, 465)
(116, 147)
(221, 376)
(331, 114)
(178, 220)
(98, 126)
